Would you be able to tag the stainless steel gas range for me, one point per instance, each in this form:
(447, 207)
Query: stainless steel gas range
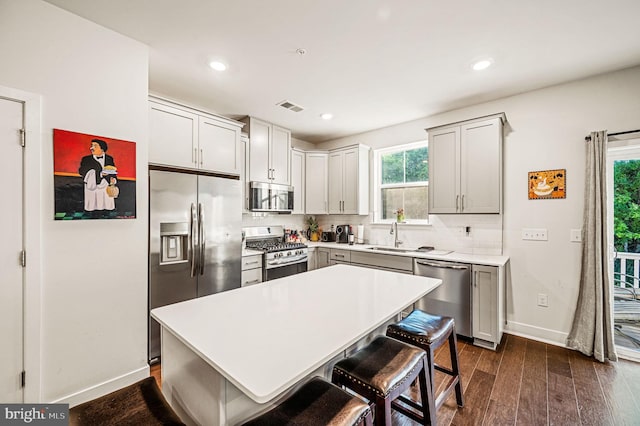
(280, 258)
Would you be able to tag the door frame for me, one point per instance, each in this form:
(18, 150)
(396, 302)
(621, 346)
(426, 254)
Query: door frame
(618, 148)
(32, 240)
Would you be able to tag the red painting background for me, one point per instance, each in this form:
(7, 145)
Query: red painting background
(70, 147)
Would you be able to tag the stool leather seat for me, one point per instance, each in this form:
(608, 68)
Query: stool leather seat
(381, 372)
(317, 402)
(428, 332)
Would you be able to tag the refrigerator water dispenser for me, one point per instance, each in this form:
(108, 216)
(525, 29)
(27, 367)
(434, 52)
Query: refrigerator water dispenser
(174, 238)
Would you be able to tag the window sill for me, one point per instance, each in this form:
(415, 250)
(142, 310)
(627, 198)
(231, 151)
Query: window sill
(402, 224)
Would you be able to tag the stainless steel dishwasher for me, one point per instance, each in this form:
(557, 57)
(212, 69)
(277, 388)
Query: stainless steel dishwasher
(453, 297)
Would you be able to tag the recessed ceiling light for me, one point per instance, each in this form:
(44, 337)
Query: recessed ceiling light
(217, 65)
(482, 65)
(326, 116)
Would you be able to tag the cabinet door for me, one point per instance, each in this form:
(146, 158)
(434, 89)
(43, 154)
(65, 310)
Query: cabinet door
(444, 170)
(350, 193)
(480, 166)
(297, 181)
(173, 136)
(485, 302)
(259, 150)
(244, 173)
(316, 183)
(336, 178)
(220, 149)
(280, 150)
(312, 259)
(323, 257)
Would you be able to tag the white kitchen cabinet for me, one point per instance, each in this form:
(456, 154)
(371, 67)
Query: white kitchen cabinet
(323, 257)
(298, 180)
(486, 305)
(269, 148)
(251, 270)
(387, 262)
(316, 189)
(465, 166)
(244, 140)
(312, 259)
(349, 180)
(183, 137)
(337, 256)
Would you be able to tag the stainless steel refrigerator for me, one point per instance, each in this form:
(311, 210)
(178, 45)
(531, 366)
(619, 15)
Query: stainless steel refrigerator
(195, 240)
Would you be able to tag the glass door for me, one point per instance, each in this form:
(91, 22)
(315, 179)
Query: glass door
(623, 198)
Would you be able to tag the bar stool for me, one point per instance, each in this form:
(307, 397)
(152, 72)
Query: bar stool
(317, 402)
(141, 403)
(381, 372)
(429, 332)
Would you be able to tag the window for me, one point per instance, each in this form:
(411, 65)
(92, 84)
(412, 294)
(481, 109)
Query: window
(401, 179)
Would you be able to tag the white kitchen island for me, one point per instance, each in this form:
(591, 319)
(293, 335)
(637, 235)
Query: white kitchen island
(232, 354)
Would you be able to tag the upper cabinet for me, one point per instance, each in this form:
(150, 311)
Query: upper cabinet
(298, 180)
(268, 154)
(465, 166)
(349, 180)
(316, 189)
(184, 137)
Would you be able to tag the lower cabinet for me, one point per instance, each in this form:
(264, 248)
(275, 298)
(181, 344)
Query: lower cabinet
(312, 259)
(385, 262)
(323, 256)
(485, 305)
(251, 270)
(339, 256)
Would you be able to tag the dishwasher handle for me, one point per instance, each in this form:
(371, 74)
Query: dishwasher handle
(442, 265)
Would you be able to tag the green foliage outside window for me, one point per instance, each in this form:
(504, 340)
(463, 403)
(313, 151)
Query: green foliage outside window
(626, 199)
(398, 168)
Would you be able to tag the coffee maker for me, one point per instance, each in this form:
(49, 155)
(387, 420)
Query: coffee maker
(342, 233)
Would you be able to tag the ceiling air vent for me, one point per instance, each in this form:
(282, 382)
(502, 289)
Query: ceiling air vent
(290, 106)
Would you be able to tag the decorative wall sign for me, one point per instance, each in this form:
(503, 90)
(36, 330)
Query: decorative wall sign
(94, 177)
(547, 184)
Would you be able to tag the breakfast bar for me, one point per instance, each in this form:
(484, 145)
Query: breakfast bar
(230, 355)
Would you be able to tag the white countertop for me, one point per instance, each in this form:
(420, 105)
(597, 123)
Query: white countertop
(265, 338)
(478, 259)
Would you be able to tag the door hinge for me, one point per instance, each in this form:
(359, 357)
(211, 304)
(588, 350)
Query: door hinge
(23, 138)
(23, 258)
(23, 378)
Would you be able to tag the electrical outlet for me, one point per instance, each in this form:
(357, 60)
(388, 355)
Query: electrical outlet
(543, 300)
(538, 234)
(575, 236)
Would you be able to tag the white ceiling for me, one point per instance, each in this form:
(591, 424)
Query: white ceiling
(371, 63)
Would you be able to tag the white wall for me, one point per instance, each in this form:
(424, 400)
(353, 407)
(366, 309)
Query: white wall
(94, 272)
(547, 130)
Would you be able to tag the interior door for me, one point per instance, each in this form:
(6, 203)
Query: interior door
(11, 270)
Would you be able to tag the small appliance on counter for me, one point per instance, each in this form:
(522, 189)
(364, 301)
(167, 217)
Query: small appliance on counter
(328, 236)
(342, 233)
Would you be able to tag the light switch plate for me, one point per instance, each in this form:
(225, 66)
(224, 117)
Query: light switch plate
(538, 234)
(575, 235)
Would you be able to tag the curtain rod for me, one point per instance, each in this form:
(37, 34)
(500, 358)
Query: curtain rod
(588, 138)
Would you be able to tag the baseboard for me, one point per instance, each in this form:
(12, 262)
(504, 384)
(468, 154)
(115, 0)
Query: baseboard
(104, 388)
(552, 337)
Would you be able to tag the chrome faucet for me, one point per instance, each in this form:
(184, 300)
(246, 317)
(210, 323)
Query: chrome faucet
(394, 232)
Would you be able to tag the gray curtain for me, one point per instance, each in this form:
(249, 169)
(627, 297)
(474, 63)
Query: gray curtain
(592, 329)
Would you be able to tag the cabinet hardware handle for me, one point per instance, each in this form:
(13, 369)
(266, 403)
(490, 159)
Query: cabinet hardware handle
(441, 265)
(339, 255)
(194, 157)
(251, 263)
(201, 156)
(256, 281)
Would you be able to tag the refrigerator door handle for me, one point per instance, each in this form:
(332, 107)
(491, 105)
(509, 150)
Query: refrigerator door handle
(193, 238)
(201, 237)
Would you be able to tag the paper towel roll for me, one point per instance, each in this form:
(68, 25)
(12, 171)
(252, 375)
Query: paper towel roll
(360, 235)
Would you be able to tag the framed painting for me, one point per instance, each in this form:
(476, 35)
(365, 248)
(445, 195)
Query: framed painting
(94, 177)
(547, 184)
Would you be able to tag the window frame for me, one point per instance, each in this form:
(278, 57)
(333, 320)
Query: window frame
(378, 186)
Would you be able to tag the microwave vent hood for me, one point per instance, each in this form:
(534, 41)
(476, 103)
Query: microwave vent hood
(270, 197)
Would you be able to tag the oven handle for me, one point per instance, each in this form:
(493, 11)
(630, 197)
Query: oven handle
(288, 260)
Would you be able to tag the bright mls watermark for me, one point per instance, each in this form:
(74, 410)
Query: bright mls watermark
(34, 414)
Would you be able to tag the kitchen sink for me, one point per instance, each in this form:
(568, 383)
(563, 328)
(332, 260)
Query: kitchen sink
(429, 250)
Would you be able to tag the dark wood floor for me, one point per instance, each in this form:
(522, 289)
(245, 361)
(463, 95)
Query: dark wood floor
(527, 383)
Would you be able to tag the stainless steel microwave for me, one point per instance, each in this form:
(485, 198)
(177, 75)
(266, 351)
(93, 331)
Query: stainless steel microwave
(270, 197)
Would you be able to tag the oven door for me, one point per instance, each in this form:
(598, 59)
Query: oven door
(285, 270)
